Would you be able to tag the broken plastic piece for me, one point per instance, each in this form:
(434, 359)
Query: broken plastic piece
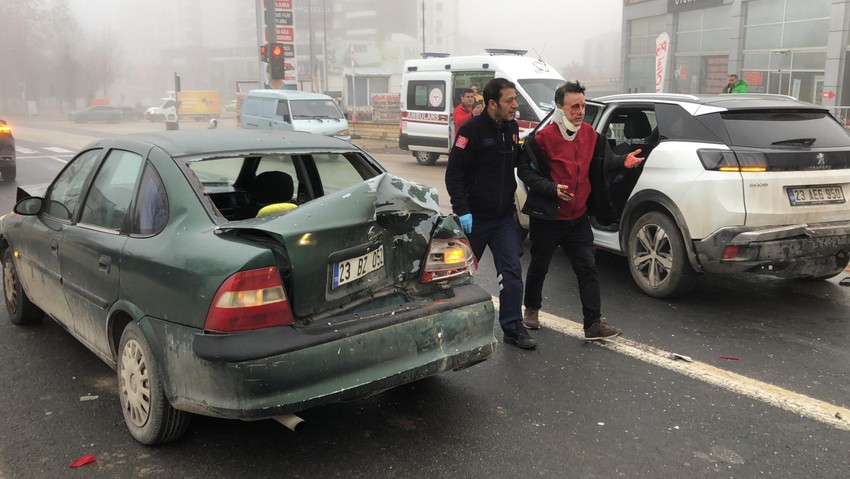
(87, 459)
(730, 358)
(681, 356)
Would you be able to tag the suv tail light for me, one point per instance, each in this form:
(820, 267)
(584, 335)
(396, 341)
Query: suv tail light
(247, 300)
(5, 129)
(447, 258)
(725, 160)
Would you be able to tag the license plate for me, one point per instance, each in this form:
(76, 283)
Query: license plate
(815, 195)
(356, 268)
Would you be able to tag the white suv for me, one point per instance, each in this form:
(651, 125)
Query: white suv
(731, 184)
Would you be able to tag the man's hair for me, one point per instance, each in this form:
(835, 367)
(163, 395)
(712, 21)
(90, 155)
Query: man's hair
(468, 90)
(473, 85)
(493, 89)
(568, 87)
(733, 75)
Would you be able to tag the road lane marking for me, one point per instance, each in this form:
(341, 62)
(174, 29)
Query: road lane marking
(788, 400)
(25, 150)
(56, 149)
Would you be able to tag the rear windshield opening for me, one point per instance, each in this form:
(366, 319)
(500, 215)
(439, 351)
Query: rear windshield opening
(785, 129)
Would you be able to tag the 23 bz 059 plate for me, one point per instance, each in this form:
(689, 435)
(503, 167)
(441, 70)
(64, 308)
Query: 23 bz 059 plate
(815, 195)
(356, 268)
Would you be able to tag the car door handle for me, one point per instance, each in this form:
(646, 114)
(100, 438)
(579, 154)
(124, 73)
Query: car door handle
(105, 263)
(54, 246)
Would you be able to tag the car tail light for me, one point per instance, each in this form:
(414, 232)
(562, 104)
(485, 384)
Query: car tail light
(5, 129)
(248, 300)
(725, 160)
(447, 258)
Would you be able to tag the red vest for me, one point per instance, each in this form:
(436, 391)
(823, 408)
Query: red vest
(569, 164)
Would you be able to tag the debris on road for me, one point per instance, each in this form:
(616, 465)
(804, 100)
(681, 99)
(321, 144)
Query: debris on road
(681, 356)
(88, 398)
(83, 461)
(730, 358)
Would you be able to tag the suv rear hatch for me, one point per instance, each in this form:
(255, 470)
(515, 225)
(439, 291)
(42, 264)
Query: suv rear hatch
(796, 165)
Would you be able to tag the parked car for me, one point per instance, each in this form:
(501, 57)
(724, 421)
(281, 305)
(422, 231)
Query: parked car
(244, 274)
(743, 183)
(101, 113)
(130, 113)
(8, 168)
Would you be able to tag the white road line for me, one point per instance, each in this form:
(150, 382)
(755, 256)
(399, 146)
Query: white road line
(791, 401)
(56, 149)
(24, 150)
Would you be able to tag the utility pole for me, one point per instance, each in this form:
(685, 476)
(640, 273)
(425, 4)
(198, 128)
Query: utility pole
(423, 26)
(261, 40)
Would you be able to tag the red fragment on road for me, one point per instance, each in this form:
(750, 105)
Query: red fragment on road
(730, 358)
(87, 459)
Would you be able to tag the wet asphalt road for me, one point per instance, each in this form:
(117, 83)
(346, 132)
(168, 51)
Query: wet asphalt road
(568, 409)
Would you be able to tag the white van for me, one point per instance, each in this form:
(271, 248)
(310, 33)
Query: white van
(431, 88)
(294, 110)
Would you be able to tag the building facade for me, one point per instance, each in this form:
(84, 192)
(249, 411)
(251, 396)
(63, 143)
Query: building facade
(792, 47)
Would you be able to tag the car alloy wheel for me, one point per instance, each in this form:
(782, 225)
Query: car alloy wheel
(147, 413)
(425, 158)
(135, 384)
(18, 305)
(658, 260)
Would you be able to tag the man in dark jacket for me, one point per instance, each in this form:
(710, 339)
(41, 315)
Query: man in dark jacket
(480, 182)
(562, 166)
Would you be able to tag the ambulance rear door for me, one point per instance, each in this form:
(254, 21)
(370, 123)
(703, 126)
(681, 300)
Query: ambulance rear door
(426, 115)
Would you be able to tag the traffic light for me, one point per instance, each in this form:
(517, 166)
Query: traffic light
(277, 64)
(264, 53)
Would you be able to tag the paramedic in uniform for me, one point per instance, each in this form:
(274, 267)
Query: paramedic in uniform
(481, 184)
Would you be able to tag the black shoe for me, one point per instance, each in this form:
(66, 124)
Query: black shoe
(520, 339)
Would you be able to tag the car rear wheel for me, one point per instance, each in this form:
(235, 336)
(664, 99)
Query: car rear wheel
(147, 413)
(9, 174)
(20, 308)
(425, 158)
(658, 259)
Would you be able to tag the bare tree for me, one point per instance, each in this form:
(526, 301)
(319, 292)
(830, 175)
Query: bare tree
(103, 61)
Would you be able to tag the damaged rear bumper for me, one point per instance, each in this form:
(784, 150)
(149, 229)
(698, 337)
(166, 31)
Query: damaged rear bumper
(267, 373)
(790, 251)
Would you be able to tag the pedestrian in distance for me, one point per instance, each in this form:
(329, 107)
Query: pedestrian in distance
(563, 167)
(735, 85)
(481, 185)
(466, 109)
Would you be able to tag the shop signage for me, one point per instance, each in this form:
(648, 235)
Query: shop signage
(674, 6)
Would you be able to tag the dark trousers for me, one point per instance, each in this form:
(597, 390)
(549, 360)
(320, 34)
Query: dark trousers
(502, 237)
(576, 239)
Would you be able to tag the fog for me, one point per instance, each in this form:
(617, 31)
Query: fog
(212, 44)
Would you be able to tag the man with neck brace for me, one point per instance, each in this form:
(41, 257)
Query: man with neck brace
(562, 166)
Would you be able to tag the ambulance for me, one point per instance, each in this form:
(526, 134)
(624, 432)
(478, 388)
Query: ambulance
(431, 88)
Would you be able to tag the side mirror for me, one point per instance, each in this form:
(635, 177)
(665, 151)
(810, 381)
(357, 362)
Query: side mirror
(28, 206)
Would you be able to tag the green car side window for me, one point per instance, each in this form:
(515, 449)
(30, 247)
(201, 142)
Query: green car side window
(110, 194)
(152, 205)
(64, 195)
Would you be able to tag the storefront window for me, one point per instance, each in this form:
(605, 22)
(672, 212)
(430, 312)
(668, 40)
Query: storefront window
(703, 30)
(806, 34)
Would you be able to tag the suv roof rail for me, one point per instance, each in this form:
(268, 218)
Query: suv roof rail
(434, 55)
(650, 96)
(505, 51)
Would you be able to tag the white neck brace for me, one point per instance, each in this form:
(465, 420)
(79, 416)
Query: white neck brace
(564, 125)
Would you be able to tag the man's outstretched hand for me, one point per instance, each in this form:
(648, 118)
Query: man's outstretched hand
(632, 160)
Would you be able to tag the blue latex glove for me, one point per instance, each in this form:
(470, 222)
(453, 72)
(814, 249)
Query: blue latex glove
(466, 223)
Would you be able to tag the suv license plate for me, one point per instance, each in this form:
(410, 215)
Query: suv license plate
(815, 195)
(356, 268)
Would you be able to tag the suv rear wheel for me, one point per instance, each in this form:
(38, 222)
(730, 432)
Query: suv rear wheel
(658, 259)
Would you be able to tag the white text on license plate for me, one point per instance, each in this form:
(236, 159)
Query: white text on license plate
(815, 195)
(355, 268)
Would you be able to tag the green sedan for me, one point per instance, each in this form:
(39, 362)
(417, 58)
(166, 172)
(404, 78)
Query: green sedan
(244, 274)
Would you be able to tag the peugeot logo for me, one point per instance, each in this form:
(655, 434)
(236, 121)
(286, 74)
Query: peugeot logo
(821, 160)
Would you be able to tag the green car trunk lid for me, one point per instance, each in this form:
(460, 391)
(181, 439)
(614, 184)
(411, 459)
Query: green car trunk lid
(385, 219)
